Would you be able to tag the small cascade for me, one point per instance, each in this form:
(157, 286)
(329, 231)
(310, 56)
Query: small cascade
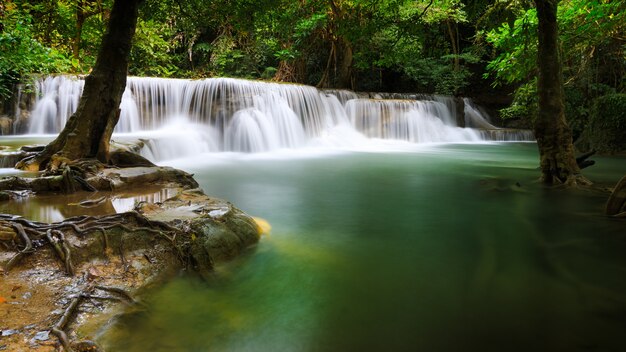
(178, 117)
(476, 118)
(179, 138)
(58, 100)
(413, 121)
(129, 114)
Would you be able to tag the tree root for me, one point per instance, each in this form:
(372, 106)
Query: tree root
(54, 234)
(58, 329)
(28, 247)
(118, 291)
(61, 248)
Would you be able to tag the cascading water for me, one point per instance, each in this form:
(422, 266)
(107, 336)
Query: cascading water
(413, 121)
(177, 117)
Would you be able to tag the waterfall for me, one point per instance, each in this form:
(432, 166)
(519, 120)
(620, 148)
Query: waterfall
(179, 117)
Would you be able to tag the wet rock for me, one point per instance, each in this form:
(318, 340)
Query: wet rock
(85, 346)
(32, 148)
(135, 176)
(42, 335)
(125, 158)
(208, 231)
(8, 332)
(6, 125)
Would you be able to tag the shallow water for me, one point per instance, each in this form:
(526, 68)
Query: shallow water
(434, 249)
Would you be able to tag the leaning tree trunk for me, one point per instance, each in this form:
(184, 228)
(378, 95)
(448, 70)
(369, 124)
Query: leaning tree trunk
(88, 131)
(554, 137)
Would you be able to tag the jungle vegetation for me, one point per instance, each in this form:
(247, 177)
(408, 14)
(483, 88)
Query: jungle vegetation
(483, 49)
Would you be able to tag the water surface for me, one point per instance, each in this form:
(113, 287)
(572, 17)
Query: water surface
(442, 248)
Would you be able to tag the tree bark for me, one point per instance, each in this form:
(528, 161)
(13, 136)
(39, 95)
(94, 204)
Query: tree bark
(554, 137)
(80, 20)
(344, 79)
(88, 132)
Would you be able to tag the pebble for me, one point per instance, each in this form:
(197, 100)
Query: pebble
(42, 335)
(8, 332)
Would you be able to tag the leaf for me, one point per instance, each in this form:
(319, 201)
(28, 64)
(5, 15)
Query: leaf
(2, 300)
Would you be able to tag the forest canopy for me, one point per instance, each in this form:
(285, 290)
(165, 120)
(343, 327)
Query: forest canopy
(455, 47)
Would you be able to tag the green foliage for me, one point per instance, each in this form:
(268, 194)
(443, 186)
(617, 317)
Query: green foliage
(592, 53)
(576, 110)
(438, 75)
(228, 57)
(517, 45)
(525, 103)
(607, 125)
(438, 46)
(22, 54)
(151, 54)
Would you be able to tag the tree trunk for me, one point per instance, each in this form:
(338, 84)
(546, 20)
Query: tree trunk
(554, 137)
(344, 79)
(88, 132)
(80, 20)
(455, 46)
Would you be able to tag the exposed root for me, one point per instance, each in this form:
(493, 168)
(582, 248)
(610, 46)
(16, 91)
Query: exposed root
(118, 291)
(28, 247)
(59, 328)
(122, 257)
(81, 226)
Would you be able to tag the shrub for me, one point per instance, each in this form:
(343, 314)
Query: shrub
(525, 103)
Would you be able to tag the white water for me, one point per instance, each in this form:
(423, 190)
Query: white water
(180, 118)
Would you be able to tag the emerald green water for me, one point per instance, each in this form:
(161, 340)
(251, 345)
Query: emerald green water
(432, 250)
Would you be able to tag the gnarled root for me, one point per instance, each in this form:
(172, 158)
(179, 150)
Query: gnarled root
(59, 328)
(28, 247)
(55, 233)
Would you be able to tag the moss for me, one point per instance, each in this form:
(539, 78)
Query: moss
(607, 125)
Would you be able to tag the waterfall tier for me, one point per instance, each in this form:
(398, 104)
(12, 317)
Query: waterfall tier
(184, 117)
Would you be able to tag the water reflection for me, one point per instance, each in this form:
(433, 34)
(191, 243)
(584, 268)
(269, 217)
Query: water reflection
(53, 208)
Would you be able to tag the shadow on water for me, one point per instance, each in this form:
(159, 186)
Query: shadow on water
(450, 248)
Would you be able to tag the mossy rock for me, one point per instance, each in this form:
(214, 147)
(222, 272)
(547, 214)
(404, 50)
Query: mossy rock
(224, 238)
(607, 125)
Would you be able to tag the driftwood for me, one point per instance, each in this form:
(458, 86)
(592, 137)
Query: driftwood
(582, 161)
(616, 204)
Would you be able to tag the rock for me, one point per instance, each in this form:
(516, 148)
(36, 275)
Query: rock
(8, 332)
(208, 231)
(42, 335)
(6, 125)
(617, 200)
(125, 158)
(32, 148)
(85, 346)
(140, 176)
